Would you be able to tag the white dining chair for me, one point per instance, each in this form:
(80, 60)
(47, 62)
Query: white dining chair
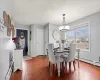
(71, 57)
(56, 45)
(67, 44)
(51, 55)
(52, 58)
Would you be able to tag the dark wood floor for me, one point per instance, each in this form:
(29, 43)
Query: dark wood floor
(37, 69)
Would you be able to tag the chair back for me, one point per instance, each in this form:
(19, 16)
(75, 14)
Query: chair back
(51, 55)
(71, 55)
(68, 44)
(56, 45)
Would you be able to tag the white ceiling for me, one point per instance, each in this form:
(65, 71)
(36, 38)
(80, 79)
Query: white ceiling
(44, 11)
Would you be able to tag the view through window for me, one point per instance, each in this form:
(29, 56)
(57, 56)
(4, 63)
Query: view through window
(80, 35)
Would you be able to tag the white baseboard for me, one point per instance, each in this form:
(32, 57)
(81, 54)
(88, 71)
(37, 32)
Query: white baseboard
(90, 61)
(97, 64)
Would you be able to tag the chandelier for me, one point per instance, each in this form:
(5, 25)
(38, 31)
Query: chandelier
(64, 27)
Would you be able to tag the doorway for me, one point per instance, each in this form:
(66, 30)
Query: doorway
(22, 36)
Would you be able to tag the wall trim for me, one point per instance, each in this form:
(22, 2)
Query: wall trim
(90, 61)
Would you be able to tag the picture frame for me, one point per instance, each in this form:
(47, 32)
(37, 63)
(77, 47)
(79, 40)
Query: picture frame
(5, 18)
(9, 26)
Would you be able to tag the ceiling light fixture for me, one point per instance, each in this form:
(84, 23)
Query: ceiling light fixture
(64, 27)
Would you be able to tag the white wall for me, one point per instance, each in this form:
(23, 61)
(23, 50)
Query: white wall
(94, 54)
(22, 26)
(48, 36)
(4, 54)
(33, 39)
(6, 5)
(52, 27)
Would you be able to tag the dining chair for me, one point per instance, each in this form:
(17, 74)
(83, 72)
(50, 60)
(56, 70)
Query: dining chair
(56, 45)
(67, 44)
(71, 57)
(52, 58)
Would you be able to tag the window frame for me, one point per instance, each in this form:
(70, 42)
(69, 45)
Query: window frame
(89, 35)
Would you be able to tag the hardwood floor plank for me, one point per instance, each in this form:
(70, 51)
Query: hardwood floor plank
(37, 69)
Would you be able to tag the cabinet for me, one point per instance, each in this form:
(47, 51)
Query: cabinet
(5, 58)
(18, 58)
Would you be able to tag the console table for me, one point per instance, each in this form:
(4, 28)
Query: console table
(18, 57)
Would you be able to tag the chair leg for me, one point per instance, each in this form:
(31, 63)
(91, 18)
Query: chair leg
(49, 64)
(60, 66)
(53, 69)
(56, 67)
(74, 65)
(65, 66)
(69, 66)
(50, 69)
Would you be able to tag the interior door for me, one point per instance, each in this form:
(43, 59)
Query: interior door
(40, 42)
(46, 34)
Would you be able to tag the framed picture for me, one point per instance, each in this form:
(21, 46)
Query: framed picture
(5, 17)
(9, 26)
(12, 30)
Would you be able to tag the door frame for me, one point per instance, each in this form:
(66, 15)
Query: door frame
(47, 28)
(28, 37)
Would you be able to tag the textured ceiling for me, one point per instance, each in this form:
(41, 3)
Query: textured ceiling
(44, 11)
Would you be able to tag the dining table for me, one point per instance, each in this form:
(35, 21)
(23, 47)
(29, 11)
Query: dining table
(63, 52)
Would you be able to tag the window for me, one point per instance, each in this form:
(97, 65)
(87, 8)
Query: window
(80, 34)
